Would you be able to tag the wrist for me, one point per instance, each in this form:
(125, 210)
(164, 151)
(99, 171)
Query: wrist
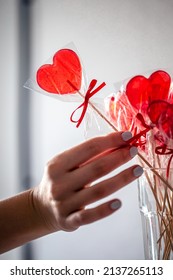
(20, 221)
(42, 210)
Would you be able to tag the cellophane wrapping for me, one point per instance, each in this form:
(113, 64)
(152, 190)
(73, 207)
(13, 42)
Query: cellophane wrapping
(144, 106)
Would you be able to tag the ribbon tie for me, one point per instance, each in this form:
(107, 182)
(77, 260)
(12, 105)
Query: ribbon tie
(160, 150)
(164, 150)
(136, 139)
(90, 92)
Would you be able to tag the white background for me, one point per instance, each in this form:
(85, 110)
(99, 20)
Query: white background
(115, 39)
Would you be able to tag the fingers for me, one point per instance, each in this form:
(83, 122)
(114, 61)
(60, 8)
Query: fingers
(77, 179)
(87, 216)
(69, 174)
(78, 155)
(109, 186)
(102, 189)
(102, 166)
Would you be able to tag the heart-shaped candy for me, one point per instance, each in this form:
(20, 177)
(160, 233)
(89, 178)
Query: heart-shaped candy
(54, 77)
(161, 114)
(141, 91)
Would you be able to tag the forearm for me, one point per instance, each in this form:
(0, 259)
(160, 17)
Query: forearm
(19, 221)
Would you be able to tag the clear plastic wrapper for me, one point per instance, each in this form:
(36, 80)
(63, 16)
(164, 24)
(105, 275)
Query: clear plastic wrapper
(63, 77)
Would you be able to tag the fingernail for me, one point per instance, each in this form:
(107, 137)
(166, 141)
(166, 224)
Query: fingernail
(115, 205)
(138, 171)
(133, 151)
(126, 135)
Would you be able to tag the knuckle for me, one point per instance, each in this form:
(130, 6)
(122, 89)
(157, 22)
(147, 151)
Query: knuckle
(79, 219)
(125, 179)
(93, 147)
(100, 168)
(50, 169)
(53, 191)
(99, 192)
(57, 191)
(124, 155)
(100, 212)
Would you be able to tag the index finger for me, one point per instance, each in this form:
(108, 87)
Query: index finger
(78, 155)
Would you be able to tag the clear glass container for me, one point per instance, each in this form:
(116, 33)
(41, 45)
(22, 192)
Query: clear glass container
(156, 208)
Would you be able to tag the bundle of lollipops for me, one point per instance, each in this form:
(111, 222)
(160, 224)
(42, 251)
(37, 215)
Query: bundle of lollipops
(145, 106)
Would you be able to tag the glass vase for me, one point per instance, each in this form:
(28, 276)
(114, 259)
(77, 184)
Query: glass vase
(156, 208)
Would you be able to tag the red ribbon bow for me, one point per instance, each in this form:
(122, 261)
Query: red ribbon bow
(160, 150)
(90, 92)
(135, 140)
(164, 150)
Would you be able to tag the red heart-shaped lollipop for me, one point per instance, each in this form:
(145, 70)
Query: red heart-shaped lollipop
(142, 91)
(54, 77)
(161, 114)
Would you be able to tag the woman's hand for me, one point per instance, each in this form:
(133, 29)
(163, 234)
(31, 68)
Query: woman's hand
(59, 202)
(61, 198)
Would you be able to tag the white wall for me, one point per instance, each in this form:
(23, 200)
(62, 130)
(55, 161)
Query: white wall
(116, 39)
(9, 184)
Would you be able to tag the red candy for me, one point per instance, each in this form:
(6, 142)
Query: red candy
(142, 91)
(54, 77)
(161, 114)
